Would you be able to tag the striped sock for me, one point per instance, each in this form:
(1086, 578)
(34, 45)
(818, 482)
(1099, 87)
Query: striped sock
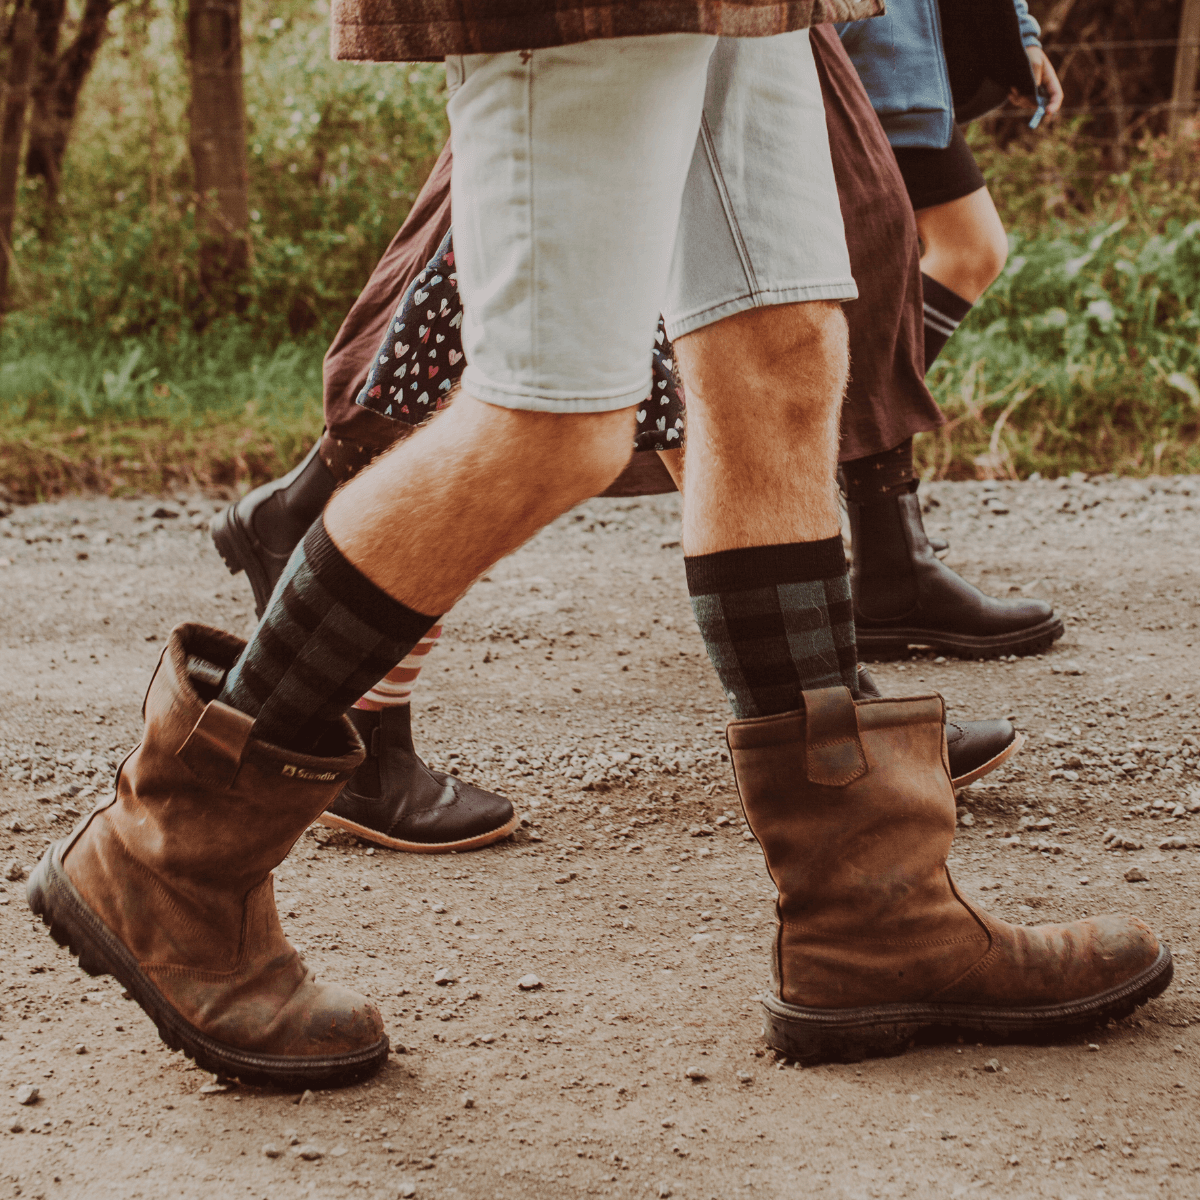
(776, 621)
(327, 636)
(944, 312)
(396, 687)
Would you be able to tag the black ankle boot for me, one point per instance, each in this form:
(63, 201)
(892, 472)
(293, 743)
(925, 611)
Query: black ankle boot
(258, 533)
(905, 596)
(394, 799)
(974, 748)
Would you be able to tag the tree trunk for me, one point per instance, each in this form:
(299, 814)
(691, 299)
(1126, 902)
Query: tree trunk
(12, 129)
(60, 79)
(218, 139)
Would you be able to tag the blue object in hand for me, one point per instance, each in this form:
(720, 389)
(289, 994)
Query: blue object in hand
(1040, 112)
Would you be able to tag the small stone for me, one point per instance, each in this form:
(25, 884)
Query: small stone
(488, 1038)
(664, 1190)
(1177, 1049)
(291, 1137)
(14, 871)
(1173, 843)
(439, 908)
(1093, 1047)
(310, 1153)
(162, 513)
(992, 1066)
(529, 983)
(966, 820)
(81, 1048)
(443, 976)
(271, 1151)
(15, 1126)
(695, 1074)
(27, 1093)
(407, 1190)
(468, 1101)
(562, 879)
(306, 1097)
(1136, 875)
(745, 1077)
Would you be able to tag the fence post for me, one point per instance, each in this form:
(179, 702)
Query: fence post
(1187, 58)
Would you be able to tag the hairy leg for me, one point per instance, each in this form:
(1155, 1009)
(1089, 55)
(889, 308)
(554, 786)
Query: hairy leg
(462, 485)
(764, 392)
(965, 246)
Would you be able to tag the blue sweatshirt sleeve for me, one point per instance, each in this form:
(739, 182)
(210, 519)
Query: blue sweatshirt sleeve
(1031, 31)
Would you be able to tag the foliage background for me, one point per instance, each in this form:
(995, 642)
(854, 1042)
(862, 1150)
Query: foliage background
(118, 371)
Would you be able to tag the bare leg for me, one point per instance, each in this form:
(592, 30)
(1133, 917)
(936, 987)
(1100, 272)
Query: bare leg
(764, 392)
(473, 485)
(965, 244)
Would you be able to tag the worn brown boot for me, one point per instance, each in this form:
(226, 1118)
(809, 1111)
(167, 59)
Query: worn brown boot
(852, 804)
(167, 886)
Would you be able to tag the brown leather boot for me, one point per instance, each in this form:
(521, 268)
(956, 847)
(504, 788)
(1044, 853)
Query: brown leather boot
(167, 886)
(852, 804)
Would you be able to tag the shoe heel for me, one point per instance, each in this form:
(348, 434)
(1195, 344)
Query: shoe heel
(40, 892)
(223, 537)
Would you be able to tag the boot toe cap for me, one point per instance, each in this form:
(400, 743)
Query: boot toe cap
(327, 1020)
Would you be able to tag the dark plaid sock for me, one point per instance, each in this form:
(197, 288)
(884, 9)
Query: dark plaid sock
(776, 621)
(944, 312)
(328, 635)
(879, 476)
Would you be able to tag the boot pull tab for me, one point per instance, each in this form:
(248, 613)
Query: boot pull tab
(833, 747)
(214, 749)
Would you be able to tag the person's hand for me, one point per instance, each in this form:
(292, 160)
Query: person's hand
(1045, 77)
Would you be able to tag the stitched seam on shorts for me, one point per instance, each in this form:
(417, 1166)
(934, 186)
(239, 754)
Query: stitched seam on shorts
(533, 289)
(735, 231)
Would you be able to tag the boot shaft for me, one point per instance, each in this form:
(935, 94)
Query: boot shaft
(204, 799)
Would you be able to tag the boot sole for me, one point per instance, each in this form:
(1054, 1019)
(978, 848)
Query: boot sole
(969, 778)
(381, 839)
(236, 548)
(72, 924)
(879, 644)
(816, 1035)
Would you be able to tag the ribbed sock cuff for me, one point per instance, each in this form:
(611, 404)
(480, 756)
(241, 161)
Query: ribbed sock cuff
(751, 567)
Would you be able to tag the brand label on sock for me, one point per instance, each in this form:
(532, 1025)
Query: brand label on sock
(312, 776)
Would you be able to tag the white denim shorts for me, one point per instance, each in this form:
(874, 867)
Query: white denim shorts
(597, 185)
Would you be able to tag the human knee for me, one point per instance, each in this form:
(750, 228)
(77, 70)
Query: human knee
(785, 349)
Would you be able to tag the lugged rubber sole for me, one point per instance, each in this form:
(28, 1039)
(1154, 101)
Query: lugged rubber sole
(815, 1035)
(988, 767)
(54, 898)
(381, 839)
(876, 644)
(236, 549)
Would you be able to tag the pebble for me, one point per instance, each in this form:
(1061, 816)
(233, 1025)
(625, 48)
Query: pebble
(695, 1074)
(310, 1153)
(663, 1191)
(529, 983)
(992, 1066)
(271, 1151)
(15, 1126)
(407, 1190)
(439, 908)
(1174, 843)
(214, 1089)
(443, 976)
(468, 1101)
(1136, 875)
(14, 871)
(28, 1093)
(81, 1048)
(307, 1097)
(745, 1077)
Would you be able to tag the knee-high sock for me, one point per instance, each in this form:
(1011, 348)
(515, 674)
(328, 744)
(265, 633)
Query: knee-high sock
(776, 621)
(327, 636)
(396, 687)
(944, 312)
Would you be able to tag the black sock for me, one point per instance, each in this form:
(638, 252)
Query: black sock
(944, 312)
(879, 476)
(776, 621)
(328, 635)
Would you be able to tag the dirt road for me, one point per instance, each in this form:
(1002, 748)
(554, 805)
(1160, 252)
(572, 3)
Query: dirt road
(573, 678)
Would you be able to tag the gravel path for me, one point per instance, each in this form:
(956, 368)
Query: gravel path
(573, 678)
